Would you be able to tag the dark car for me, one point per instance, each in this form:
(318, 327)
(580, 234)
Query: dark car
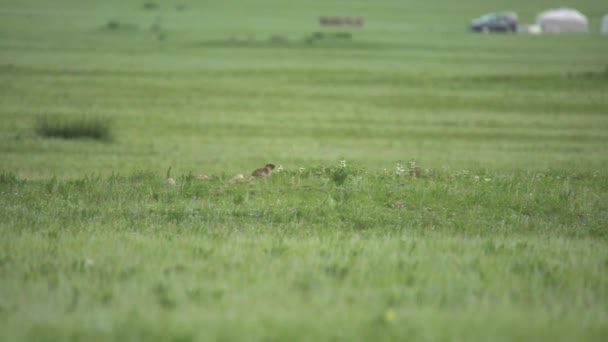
(495, 22)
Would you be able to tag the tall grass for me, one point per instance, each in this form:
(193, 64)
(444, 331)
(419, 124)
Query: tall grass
(97, 128)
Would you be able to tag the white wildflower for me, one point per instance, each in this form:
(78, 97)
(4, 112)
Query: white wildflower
(412, 164)
(399, 170)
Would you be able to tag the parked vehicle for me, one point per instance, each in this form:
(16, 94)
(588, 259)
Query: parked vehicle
(495, 22)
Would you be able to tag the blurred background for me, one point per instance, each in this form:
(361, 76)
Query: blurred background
(224, 86)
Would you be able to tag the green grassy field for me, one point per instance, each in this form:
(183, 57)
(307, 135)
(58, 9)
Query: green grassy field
(498, 232)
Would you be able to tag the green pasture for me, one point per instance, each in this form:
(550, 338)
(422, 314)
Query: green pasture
(434, 184)
(320, 254)
(218, 87)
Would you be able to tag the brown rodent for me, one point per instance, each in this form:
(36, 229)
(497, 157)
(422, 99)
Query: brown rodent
(264, 171)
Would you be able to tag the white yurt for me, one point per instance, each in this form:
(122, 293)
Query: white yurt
(604, 28)
(562, 20)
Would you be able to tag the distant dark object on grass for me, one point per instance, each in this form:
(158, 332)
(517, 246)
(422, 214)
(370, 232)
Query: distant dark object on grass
(114, 25)
(162, 36)
(589, 75)
(341, 21)
(333, 36)
(74, 128)
(149, 5)
(338, 40)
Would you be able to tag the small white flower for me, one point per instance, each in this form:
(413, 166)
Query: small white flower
(487, 179)
(412, 164)
(399, 170)
(89, 262)
(342, 163)
(280, 168)
(302, 169)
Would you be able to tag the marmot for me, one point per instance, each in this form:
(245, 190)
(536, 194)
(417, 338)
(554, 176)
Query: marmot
(265, 171)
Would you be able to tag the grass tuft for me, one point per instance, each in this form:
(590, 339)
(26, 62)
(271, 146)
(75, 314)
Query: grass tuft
(114, 25)
(74, 128)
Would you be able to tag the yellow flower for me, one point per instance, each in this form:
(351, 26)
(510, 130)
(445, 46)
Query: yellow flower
(390, 315)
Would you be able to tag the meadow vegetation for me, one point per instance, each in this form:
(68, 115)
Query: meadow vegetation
(74, 128)
(433, 184)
